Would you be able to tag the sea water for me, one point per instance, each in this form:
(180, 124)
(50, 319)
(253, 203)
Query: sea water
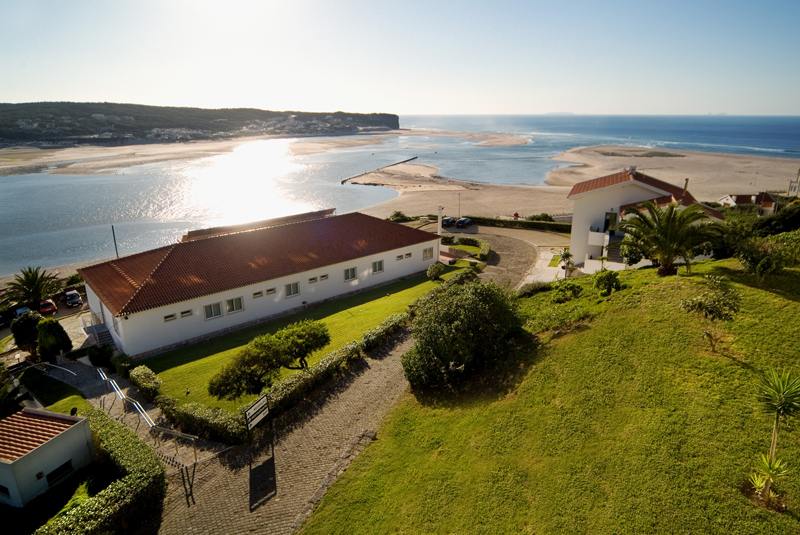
(50, 220)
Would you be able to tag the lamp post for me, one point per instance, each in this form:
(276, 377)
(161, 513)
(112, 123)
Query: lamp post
(459, 204)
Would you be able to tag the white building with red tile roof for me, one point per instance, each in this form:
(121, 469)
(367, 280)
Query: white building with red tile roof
(599, 203)
(763, 200)
(39, 449)
(205, 286)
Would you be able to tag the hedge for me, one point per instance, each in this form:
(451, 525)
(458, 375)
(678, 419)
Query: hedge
(146, 381)
(523, 224)
(477, 242)
(212, 423)
(128, 501)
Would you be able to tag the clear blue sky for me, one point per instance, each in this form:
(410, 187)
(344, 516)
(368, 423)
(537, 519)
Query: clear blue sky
(408, 57)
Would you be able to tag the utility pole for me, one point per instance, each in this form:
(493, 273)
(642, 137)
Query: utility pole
(459, 204)
(114, 236)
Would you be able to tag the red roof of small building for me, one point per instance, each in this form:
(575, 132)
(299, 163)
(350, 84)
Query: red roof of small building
(200, 267)
(760, 199)
(673, 193)
(24, 431)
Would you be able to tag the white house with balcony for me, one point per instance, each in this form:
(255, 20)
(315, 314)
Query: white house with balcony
(225, 279)
(600, 203)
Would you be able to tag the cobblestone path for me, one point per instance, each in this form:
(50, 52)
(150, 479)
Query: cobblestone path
(259, 488)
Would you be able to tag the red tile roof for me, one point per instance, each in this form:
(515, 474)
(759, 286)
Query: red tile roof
(760, 199)
(192, 269)
(24, 431)
(218, 231)
(673, 193)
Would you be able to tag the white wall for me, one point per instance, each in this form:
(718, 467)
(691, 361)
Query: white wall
(146, 331)
(19, 477)
(589, 211)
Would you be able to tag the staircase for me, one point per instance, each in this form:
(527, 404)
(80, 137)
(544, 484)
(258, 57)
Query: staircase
(612, 252)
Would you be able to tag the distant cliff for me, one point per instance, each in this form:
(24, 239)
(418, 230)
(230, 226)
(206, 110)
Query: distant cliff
(83, 122)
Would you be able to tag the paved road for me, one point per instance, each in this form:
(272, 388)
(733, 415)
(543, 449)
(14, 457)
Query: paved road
(261, 489)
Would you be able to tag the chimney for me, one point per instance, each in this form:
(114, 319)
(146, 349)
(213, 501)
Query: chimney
(685, 186)
(632, 169)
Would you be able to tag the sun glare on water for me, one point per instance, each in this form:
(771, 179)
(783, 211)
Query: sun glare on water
(245, 185)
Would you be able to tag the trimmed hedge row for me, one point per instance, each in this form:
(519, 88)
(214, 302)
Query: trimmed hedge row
(484, 245)
(212, 423)
(128, 501)
(523, 224)
(146, 381)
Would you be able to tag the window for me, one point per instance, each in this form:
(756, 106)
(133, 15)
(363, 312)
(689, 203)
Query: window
(377, 267)
(292, 289)
(186, 313)
(349, 274)
(256, 295)
(169, 317)
(408, 255)
(399, 257)
(271, 291)
(312, 280)
(59, 473)
(233, 305)
(427, 254)
(213, 311)
(323, 277)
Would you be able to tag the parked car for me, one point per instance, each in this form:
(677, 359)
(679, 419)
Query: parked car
(47, 306)
(448, 221)
(73, 298)
(464, 222)
(21, 311)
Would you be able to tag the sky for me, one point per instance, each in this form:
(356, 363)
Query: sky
(408, 57)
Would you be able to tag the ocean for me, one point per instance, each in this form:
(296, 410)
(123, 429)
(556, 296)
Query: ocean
(51, 220)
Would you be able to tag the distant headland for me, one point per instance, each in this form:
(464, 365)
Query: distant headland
(105, 123)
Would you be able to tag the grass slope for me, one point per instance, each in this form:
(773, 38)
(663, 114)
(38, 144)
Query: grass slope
(624, 424)
(347, 319)
(55, 395)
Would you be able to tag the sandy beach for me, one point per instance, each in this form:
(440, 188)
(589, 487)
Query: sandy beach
(711, 175)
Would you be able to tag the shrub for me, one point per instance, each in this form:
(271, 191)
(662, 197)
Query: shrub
(540, 217)
(53, 339)
(435, 271)
(100, 356)
(448, 240)
(534, 287)
(631, 254)
(146, 381)
(565, 290)
(26, 332)
(124, 504)
(122, 363)
(718, 303)
(212, 423)
(399, 217)
(75, 280)
(606, 282)
(458, 331)
(380, 334)
(760, 256)
(477, 242)
(785, 220)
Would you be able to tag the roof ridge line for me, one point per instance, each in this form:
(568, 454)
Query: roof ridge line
(124, 275)
(139, 288)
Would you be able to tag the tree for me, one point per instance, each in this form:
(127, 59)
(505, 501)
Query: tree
(26, 332)
(565, 259)
(303, 338)
(779, 395)
(52, 339)
(258, 363)
(769, 470)
(667, 235)
(718, 303)
(762, 256)
(606, 282)
(456, 333)
(31, 286)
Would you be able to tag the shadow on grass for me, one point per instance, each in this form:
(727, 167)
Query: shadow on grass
(493, 381)
(784, 283)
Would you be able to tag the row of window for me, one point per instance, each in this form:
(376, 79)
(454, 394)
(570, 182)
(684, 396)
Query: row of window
(232, 306)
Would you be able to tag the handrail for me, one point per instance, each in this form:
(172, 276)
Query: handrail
(60, 368)
(102, 374)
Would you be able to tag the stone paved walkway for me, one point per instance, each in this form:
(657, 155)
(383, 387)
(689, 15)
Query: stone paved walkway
(261, 489)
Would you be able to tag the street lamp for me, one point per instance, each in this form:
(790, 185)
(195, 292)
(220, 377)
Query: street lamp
(459, 204)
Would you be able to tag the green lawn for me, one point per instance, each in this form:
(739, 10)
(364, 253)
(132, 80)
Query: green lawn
(555, 261)
(623, 424)
(56, 395)
(471, 249)
(347, 319)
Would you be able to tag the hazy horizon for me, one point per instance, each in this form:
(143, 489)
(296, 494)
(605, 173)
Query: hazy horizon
(409, 58)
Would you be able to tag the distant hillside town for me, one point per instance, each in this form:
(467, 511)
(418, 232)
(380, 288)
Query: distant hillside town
(70, 123)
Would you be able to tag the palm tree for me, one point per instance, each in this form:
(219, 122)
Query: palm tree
(669, 234)
(778, 394)
(31, 286)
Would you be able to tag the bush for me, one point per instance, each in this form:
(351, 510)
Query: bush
(399, 217)
(606, 281)
(540, 217)
(26, 332)
(75, 280)
(128, 501)
(477, 242)
(380, 334)
(148, 383)
(448, 240)
(435, 271)
(212, 423)
(53, 339)
(458, 331)
(534, 287)
(786, 220)
(510, 223)
(760, 256)
(100, 356)
(122, 363)
(565, 290)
